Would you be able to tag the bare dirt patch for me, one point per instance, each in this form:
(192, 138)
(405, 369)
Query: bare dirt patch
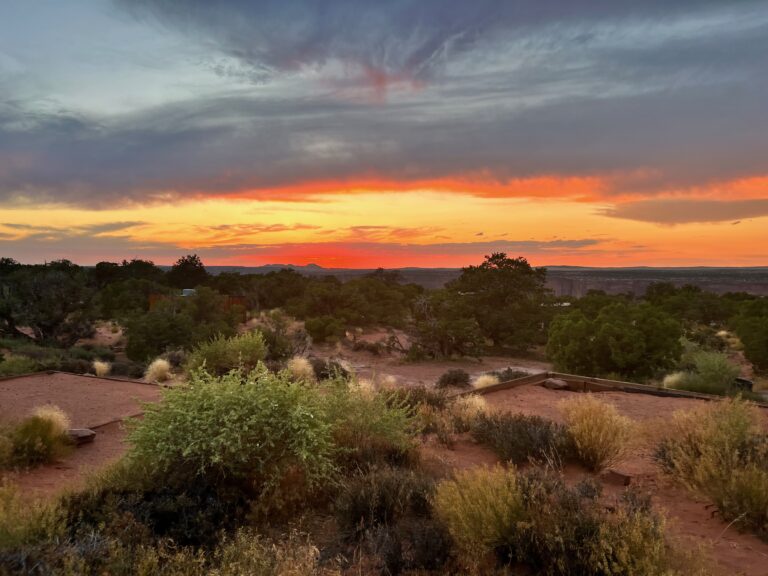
(88, 401)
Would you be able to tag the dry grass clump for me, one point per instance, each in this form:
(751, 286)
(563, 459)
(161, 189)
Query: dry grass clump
(673, 380)
(480, 508)
(159, 370)
(720, 450)
(101, 368)
(59, 420)
(599, 434)
(39, 439)
(301, 369)
(465, 410)
(365, 386)
(485, 380)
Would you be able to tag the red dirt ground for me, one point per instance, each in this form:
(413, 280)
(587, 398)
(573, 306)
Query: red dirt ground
(87, 400)
(97, 403)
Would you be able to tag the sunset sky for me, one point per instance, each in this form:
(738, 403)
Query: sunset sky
(366, 133)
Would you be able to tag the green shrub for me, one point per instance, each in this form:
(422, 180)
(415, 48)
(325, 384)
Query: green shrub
(416, 396)
(325, 328)
(711, 373)
(456, 378)
(599, 435)
(520, 438)
(382, 496)
(720, 450)
(259, 428)
(17, 365)
(368, 427)
(221, 354)
(24, 522)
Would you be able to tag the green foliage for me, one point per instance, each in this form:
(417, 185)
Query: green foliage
(126, 298)
(187, 272)
(53, 300)
(221, 354)
(258, 428)
(180, 322)
(369, 427)
(690, 304)
(326, 369)
(720, 450)
(416, 396)
(508, 299)
(454, 378)
(325, 328)
(509, 374)
(24, 522)
(631, 340)
(381, 496)
(712, 373)
(520, 438)
(16, 365)
(499, 516)
(445, 327)
(751, 325)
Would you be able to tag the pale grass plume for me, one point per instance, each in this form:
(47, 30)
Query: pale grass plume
(55, 415)
(301, 369)
(466, 409)
(600, 435)
(158, 371)
(673, 380)
(101, 368)
(485, 380)
(365, 387)
(388, 382)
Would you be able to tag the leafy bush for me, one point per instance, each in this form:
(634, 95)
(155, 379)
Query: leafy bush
(519, 438)
(600, 436)
(382, 496)
(129, 369)
(498, 516)
(222, 354)
(456, 378)
(368, 427)
(257, 428)
(485, 380)
(712, 373)
(16, 366)
(325, 328)
(159, 370)
(720, 450)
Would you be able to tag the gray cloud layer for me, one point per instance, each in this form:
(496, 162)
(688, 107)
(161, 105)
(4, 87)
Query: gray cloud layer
(655, 95)
(683, 211)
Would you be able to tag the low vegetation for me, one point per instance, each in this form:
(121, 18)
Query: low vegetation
(223, 354)
(159, 370)
(520, 439)
(598, 434)
(38, 439)
(484, 381)
(500, 516)
(455, 378)
(720, 450)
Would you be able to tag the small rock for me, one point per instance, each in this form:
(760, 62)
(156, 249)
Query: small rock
(555, 384)
(81, 435)
(616, 478)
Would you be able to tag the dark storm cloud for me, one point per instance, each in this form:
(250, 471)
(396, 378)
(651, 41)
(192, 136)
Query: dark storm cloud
(651, 96)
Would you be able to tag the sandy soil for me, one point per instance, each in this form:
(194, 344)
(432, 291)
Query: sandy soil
(89, 401)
